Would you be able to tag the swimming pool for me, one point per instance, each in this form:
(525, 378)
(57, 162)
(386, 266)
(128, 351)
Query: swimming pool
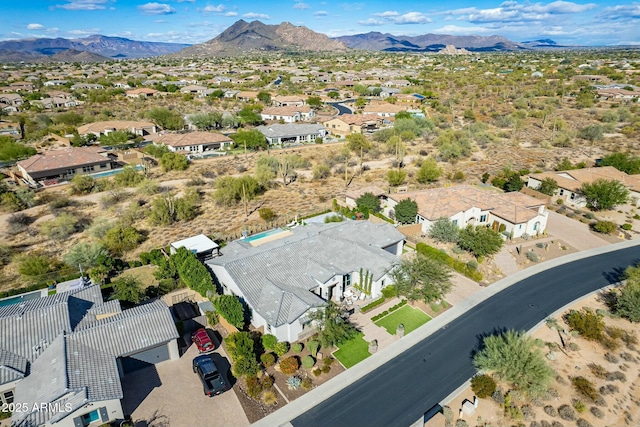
(264, 234)
(19, 298)
(111, 172)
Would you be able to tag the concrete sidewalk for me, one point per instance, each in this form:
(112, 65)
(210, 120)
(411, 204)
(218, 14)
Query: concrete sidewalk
(283, 416)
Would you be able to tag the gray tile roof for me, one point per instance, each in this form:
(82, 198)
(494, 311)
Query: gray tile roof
(12, 366)
(276, 278)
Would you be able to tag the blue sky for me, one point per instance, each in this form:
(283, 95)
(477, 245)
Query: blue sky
(607, 22)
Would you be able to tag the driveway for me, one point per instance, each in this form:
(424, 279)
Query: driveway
(170, 395)
(573, 232)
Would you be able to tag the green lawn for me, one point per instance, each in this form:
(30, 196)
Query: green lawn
(412, 318)
(353, 351)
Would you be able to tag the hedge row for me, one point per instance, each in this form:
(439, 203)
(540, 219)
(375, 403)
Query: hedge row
(391, 310)
(373, 305)
(442, 257)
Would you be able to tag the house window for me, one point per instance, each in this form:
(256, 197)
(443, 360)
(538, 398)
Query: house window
(71, 171)
(520, 227)
(455, 222)
(7, 397)
(562, 191)
(346, 281)
(103, 165)
(483, 218)
(91, 417)
(268, 328)
(86, 169)
(573, 196)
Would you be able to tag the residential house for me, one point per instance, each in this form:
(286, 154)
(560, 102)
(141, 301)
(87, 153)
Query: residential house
(143, 92)
(292, 133)
(615, 93)
(54, 166)
(89, 86)
(383, 109)
(62, 356)
(283, 280)
(230, 93)
(352, 196)
(288, 114)
(193, 89)
(55, 82)
(192, 142)
(288, 101)
(570, 182)
(203, 247)
(106, 127)
(22, 86)
(397, 83)
(56, 102)
(386, 92)
(347, 124)
(12, 99)
(247, 96)
(514, 213)
(121, 85)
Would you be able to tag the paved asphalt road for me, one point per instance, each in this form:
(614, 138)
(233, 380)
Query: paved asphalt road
(400, 391)
(342, 109)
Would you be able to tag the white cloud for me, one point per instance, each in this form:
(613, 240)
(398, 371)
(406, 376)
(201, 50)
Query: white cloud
(621, 12)
(412, 18)
(512, 11)
(156, 9)
(386, 14)
(83, 5)
(454, 29)
(350, 7)
(213, 9)
(35, 27)
(52, 30)
(372, 22)
(301, 6)
(231, 14)
(84, 32)
(253, 15)
(321, 13)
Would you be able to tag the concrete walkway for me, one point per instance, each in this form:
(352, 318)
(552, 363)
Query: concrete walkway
(505, 262)
(573, 232)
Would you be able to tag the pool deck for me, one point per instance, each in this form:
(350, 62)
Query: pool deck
(271, 238)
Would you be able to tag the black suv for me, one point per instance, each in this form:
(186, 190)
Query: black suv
(212, 380)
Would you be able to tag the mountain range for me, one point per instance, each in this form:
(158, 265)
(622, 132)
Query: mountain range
(247, 38)
(251, 37)
(107, 47)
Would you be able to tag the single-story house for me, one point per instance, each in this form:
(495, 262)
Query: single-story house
(62, 356)
(515, 213)
(292, 133)
(192, 142)
(90, 86)
(23, 86)
(383, 109)
(55, 82)
(13, 99)
(54, 166)
(288, 101)
(56, 102)
(247, 96)
(614, 93)
(288, 114)
(143, 92)
(194, 89)
(203, 247)
(104, 128)
(347, 124)
(570, 182)
(283, 280)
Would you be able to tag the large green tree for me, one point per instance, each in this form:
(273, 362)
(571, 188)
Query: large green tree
(422, 278)
(444, 230)
(368, 202)
(165, 118)
(480, 241)
(85, 254)
(230, 307)
(121, 239)
(333, 325)
(624, 162)
(429, 171)
(518, 359)
(603, 194)
(406, 211)
(548, 186)
(231, 190)
(250, 139)
(127, 288)
(11, 150)
(173, 161)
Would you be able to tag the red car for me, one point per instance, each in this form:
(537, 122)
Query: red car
(202, 340)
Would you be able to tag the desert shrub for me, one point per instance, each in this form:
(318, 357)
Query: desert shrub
(597, 412)
(573, 346)
(307, 383)
(289, 365)
(527, 412)
(551, 411)
(313, 346)
(578, 405)
(281, 348)
(254, 388)
(556, 424)
(585, 387)
(267, 382)
(626, 226)
(600, 401)
(616, 376)
(461, 423)
(609, 389)
(269, 398)
(390, 291)
(598, 371)
(583, 423)
(609, 343)
(297, 347)
(269, 341)
(586, 322)
(326, 369)
(611, 358)
(483, 386)
(308, 362)
(532, 256)
(328, 361)
(567, 413)
(605, 227)
(317, 372)
(294, 383)
(498, 396)
(268, 359)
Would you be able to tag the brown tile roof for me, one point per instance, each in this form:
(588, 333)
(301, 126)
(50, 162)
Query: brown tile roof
(64, 159)
(436, 203)
(286, 111)
(100, 127)
(384, 107)
(356, 119)
(573, 179)
(142, 90)
(190, 139)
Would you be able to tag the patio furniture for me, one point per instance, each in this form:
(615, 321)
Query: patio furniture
(347, 294)
(363, 296)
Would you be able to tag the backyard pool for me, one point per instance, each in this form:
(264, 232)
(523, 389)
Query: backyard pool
(111, 172)
(254, 238)
(19, 298)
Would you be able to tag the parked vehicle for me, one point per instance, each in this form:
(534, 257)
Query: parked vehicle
(213, 382)
(202, 340)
